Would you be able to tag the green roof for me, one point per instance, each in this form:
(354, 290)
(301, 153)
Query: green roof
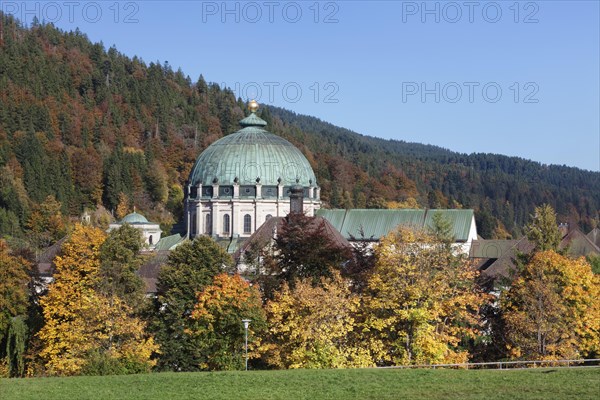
(252, 153)
(169, 242)
(461, 221)
(134, 218)
(376, 223)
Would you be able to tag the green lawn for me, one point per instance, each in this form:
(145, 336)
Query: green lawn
(551, 383)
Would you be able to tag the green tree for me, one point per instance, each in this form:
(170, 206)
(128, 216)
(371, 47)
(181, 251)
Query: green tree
(442, 228)
(175, 202)
(119, 263)
(216, 325)
(594, 261)
(189, 269)
(543, 229)
(14, 301)
(157, 182)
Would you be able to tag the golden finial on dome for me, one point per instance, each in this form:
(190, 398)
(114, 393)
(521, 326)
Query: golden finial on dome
(253, 106)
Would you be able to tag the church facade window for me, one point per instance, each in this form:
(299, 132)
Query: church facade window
(226, 224)
(208, 225)
(247, 223)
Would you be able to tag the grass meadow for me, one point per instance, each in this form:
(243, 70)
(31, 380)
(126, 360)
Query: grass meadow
(540, 383)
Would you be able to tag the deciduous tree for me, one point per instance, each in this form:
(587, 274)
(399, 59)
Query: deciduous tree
(304, 249)
(123, 206)
(81, 322)
(217, 327)
(552, 309)
(46, 222)
(314, 327)
(422, 301)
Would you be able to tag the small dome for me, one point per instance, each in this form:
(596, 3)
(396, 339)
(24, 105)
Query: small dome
(252, 155)
(134, 218)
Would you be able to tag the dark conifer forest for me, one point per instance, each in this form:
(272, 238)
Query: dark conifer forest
(88, 126)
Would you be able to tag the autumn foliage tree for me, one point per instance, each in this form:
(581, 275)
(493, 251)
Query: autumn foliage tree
(315, 326)
(552, 309)
(82, 324)
(216, 325)
(46, 223)
(422, 301)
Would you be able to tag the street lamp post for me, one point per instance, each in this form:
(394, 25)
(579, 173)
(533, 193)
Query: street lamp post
(246, 323)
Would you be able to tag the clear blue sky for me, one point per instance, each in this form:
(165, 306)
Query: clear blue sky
(424, 72)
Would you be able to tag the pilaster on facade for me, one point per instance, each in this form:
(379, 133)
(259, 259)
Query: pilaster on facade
(233, 221)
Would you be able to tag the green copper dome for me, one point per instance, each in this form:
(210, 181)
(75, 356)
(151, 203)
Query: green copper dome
(252, 155)
(134, 218)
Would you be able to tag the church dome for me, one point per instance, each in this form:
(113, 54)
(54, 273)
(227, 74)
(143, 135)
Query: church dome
(134, 218)
(252, 155)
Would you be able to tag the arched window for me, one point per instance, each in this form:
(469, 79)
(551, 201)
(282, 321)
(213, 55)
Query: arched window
(150, 239)
(208, 225)
(193, 227)
(269, 216)
(247, 223)
(226, 223)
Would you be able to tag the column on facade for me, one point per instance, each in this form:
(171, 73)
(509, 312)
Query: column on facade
(215, 218)
(199, 227)
(233, 220)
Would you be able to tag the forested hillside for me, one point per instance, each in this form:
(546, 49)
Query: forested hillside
(92, 127)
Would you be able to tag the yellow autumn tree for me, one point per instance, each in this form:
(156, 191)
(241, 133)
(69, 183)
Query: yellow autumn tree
(421, 301)
(122, 206)
(46, 223)
(79, 321)
(552, 309)
(313, 326)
